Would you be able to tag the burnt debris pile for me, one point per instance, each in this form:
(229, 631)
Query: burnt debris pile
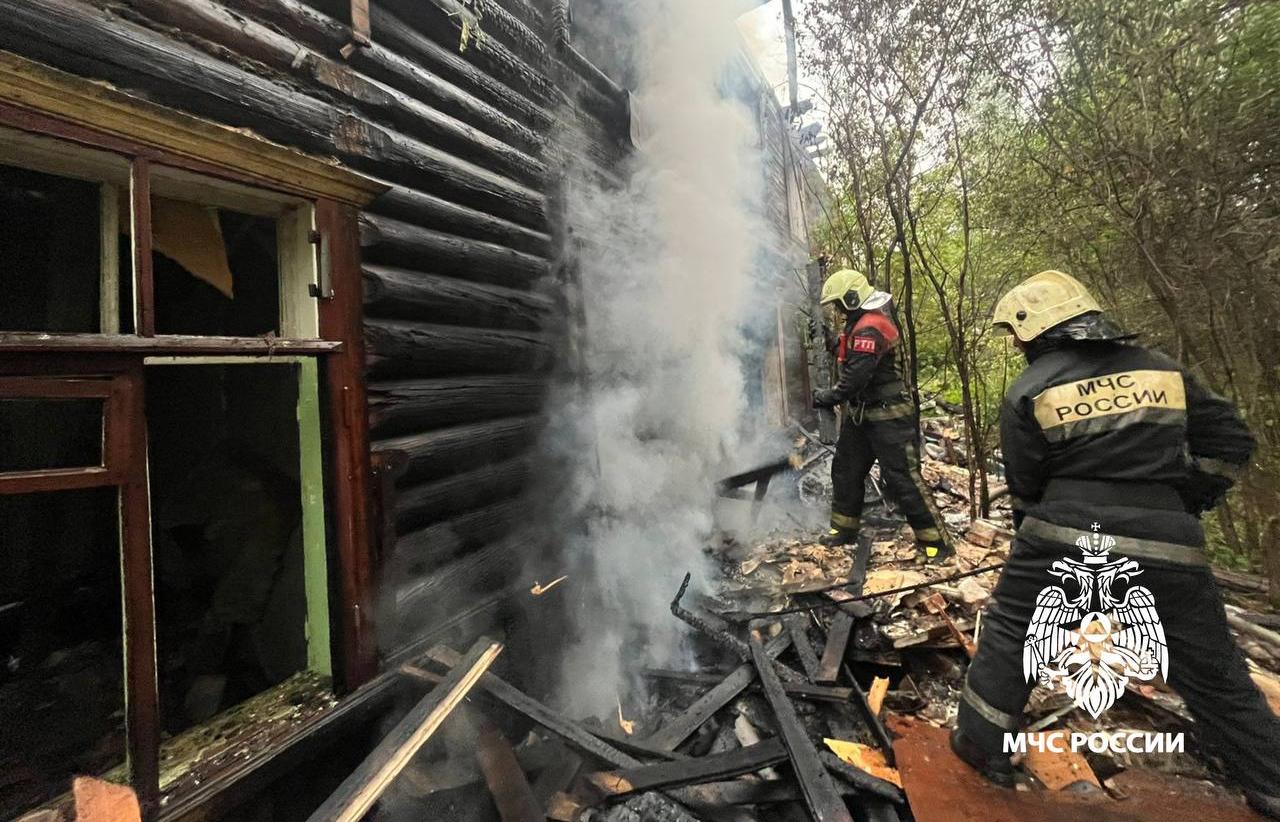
(822, 686)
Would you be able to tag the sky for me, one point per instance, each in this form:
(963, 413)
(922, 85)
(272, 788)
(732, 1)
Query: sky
(764, 33)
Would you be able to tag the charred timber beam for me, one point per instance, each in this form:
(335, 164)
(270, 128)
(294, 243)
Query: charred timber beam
(422, 209)
(417, 405)
(696, 715)
(403, 349)
(796, 626)
(419, 505)
(329, 36)
(456, 26)
(473, 616)
(500, 24)
(450, 590)
(861, 780)
(225, 30)
(398, 293)
(566, 729)
(444, 61)
(824, 693)
(821, 796)
(96, 43)
(690, 772)
(393, 242)
(429, 548)
(360, 791)
(833, 654)
(715, 796)
(440, 453)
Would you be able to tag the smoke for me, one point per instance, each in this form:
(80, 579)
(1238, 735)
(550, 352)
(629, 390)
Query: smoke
(667, 262)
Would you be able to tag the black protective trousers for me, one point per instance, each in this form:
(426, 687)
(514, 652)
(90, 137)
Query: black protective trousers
(865, 438)
(1205, 666)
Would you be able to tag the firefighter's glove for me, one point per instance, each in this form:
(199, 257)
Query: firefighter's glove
(825, 398)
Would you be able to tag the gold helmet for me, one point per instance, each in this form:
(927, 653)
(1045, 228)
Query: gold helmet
(1048, 299)
(847, 287)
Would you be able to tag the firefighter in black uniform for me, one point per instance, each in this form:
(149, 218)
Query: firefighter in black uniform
(1098, 430)
(880, 421)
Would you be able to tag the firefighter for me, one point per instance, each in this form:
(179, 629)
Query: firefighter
(880, 420)
(1101, 434)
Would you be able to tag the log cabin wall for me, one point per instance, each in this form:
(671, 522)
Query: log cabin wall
(451, 103)
(468, 110)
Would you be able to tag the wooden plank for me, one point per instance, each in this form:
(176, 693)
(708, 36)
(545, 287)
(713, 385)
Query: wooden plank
(562, 727)
(505, 777)
(360, 21)
(800, 639)
(144, 291)
(803, 690)
(109, 259)
(821, 795)
(703, 769)
(176, 135)
(557, 777)
(351, 471)
(358, 792)
(682, 727)
(142, 707)
(162, 345)
(833, 654)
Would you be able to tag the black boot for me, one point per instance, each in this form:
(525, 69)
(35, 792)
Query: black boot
(838, 536)
(1264, 805)
(997, 770)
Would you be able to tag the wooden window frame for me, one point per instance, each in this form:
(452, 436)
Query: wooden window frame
(45, 102)
(115, 393)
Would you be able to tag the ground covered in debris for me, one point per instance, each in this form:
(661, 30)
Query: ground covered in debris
(825, 682)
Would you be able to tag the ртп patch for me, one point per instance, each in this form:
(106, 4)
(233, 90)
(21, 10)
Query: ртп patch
(1108, 395)
(865, 345)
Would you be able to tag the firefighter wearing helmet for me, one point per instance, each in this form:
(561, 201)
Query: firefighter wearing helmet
(1107, 443)
(880, 421)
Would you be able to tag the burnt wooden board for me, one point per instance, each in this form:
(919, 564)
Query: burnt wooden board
(577, 736)
(692, 772)
(680, 728)
(821, 796)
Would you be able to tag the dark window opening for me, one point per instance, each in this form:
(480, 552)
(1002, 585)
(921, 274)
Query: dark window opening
(216, 271)
(226, 533)
(37, 434)
(61, 655)
(50, 255)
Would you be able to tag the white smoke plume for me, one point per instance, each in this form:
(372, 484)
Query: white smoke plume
(667, 265)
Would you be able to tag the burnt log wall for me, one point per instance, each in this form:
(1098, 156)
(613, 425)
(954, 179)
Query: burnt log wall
(451, 105)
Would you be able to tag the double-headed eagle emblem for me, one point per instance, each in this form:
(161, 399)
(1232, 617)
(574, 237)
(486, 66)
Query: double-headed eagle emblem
(1094, 641)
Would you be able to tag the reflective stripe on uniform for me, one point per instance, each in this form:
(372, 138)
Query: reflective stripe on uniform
(890, 412)
(1099, 425)
(844, 522)
(1128, 546)
(987, 711)
(1110, 401)
(939, 534)
(1219, 468)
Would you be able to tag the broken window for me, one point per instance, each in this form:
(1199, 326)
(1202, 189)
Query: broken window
(60, 251)
(61, 682)
(163, 548)
(233, 535)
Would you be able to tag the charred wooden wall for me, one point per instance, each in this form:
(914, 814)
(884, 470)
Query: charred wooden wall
(452, 105)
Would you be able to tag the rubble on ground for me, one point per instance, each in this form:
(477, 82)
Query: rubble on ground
(828, 678)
